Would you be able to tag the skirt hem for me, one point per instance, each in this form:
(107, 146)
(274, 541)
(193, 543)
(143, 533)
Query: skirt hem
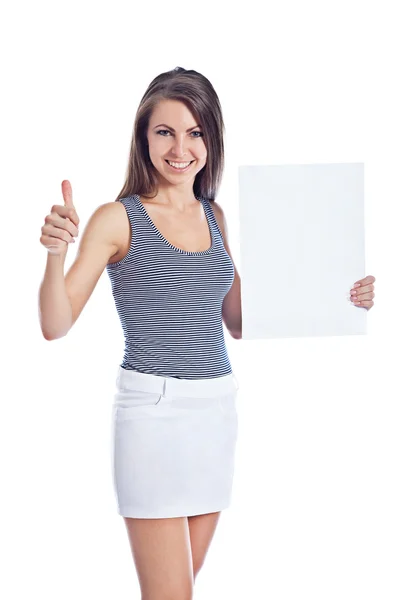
(127, 511)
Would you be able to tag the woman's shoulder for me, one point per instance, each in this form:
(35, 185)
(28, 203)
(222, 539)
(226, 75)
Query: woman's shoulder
(219, 216)
(114, 215)
(116, 220)
(109, 225)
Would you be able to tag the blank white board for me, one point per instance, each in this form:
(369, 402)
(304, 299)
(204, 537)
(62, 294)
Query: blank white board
(301, 249)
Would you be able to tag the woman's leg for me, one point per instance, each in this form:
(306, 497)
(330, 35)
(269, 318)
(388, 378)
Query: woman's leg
(162, 554)
(202, 529)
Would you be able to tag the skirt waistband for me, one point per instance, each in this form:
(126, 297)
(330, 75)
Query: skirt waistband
(194, 388)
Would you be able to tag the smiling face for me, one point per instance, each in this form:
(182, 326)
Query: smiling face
(174, 135)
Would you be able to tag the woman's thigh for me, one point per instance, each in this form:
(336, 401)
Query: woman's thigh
(201, 529)
(162, 554)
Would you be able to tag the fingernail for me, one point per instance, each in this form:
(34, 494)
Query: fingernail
(356, 285)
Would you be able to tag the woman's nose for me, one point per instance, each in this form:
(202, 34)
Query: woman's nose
(179, 147)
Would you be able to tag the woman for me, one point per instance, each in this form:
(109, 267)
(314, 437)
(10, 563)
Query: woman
(164, 244)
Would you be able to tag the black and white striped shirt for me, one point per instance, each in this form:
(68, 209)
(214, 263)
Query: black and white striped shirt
(169, 301)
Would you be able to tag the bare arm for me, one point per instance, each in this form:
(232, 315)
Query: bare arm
(55, 313)
(232, 304)
(62, 298)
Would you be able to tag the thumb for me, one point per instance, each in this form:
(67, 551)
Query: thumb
(67, 193)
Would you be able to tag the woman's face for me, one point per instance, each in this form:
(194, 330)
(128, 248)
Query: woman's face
(174, 135)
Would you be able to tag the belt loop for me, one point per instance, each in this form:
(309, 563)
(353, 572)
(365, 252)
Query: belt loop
(163, 390)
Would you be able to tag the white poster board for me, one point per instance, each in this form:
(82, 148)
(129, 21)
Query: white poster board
(301, 249)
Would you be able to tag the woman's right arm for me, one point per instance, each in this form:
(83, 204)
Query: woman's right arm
(62, 298)
(55, 311)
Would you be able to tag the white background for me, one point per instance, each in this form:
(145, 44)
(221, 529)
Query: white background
(316, 496)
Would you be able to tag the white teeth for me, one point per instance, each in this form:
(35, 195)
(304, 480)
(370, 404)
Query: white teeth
(178, 165)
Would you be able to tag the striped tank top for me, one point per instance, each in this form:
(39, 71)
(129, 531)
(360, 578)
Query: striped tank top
(169, 301)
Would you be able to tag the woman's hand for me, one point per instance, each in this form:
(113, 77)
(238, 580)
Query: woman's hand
(61, 225)
(362, 292)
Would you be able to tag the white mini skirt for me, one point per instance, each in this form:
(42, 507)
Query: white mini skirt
(173, 444)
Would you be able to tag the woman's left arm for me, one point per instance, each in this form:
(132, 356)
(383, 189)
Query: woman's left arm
(232, 304)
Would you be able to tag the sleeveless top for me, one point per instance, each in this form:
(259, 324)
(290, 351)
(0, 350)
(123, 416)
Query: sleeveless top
(169, 301)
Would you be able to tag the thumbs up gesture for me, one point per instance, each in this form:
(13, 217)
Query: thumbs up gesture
(61, 225)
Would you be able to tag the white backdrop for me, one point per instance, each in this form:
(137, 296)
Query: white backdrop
(316, 495)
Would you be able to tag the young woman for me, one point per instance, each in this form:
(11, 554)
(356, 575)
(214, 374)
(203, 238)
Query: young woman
(164, 244)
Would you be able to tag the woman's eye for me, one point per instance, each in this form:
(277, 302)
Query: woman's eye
(162, 131)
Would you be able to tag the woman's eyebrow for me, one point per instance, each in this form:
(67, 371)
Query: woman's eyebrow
(172, 129)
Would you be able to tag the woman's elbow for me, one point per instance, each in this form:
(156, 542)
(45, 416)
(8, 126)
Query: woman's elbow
(237, 335)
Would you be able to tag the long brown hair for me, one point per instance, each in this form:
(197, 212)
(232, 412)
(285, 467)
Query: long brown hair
(197, 93)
